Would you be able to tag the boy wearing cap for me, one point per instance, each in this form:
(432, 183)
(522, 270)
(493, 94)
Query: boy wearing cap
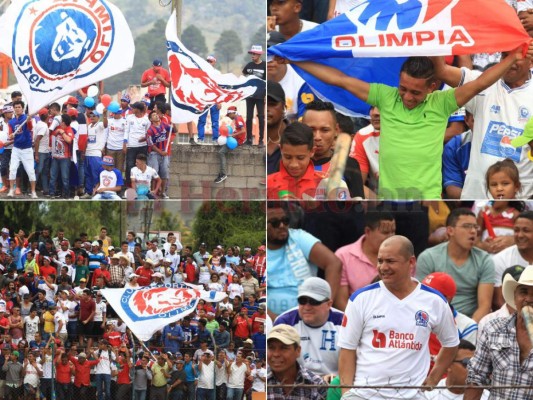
(283, 345)
(157, 79)
(115, 136)
(41, 133)
(110, 181)
(256, 67)
(239, 134)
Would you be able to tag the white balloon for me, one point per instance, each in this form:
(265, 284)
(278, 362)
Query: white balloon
(222, 140)
(92, 91)
(100, 108)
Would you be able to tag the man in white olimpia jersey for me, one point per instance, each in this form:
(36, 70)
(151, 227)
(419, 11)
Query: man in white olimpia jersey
(386, 327)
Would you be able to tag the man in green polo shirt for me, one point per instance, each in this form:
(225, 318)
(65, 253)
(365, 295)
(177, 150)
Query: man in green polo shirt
(413, 121)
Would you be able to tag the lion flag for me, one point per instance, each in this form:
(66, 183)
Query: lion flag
(196, 85)
(58, 47)
(148, 309)
(370, 41)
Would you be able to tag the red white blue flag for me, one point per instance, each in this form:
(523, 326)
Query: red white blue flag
(196, 85)
(370, 41)
(58, 47)
(147, 310)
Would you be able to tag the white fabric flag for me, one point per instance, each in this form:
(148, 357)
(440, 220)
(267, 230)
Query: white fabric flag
(58, 47)
(196, 85)
(148, 309)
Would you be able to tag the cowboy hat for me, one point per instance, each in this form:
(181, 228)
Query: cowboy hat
(510, 284)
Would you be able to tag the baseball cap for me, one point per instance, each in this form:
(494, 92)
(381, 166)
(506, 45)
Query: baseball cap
(441, 282)
(64, 243)
(315, 288)
(515, 271)
(73, 112)
(72, 101)
(256, 49)
(157, 62)
(43, 111)
(157, 275)
(275, 92)
(263, 306)
(149, 261)
(82, 355)
(109, 161)
(274, 38)
(211, 57)
(231, 110)
(526, 137)
(95, 243)
(104, 261)
(7, 109)
(5, 230)
(125, 98)
(261, 248)
(286, 334)
(16, 353)
(83, 280)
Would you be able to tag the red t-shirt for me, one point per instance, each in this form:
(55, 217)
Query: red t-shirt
(83, 371)
(281, 185)
(257, 321)
(145, 276)
(238, 124)
(100, 272)
(156, 87)
(86, 308)
(190, 271)
(62, 372)
(113, 338)
(241, 328)
(60, 148)
(124, 371)
(45, 271)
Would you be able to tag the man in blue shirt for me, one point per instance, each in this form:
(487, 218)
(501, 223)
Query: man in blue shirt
(172, 336)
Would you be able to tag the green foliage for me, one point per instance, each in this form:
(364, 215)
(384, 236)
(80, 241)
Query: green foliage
(168, 221)
(230, 223)
(193, 39)
(228, 46)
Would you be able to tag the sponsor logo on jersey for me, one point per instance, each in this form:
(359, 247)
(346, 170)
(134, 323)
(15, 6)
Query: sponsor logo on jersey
(395, 340)
(495, 109)
(523, 114)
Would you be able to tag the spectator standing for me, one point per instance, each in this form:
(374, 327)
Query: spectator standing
(206, 377)
(238, 371)
(157, 79)
(137, 125)
(256, 67)
(141, 375)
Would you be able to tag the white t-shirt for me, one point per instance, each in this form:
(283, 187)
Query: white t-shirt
(32, 327)
(235, 289)
(31, 375)
(500, 114)
(72, 311)
(342, 6)
(391, 337)
(174, 260)
(4, 132)
(104, 366)
(143, 178)
(96, 138)
(41, 129)
(291, 84)
(320, 350)
(258, 385)
(60, 317)
(99, 311)
(109, 179)
(63, 303)
(505, 259)
(136, 129)
(155, 256)
(237, 375)
(49, 292)
(116, 128)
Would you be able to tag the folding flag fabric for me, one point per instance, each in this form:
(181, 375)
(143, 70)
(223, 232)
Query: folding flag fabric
(148, 309)
(58, 47)
(392, 29)
(196, 85)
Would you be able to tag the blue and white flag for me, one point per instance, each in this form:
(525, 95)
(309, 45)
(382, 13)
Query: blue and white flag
(58, 47)
(147, 310)
(196, 85)
(390, 30)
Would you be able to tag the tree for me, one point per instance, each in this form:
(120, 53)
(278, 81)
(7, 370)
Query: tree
(194, 40)
(228, 46)
(230, 223)
(259, 37)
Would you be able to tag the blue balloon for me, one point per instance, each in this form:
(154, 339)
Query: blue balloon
(89, 102)
(113, 107)
(232, 143)
(230, 130)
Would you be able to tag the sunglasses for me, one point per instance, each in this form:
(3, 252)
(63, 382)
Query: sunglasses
(308, 300)
(276, 222)
(464, 361)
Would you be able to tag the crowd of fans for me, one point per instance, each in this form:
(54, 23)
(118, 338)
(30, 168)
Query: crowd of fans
(59, 334)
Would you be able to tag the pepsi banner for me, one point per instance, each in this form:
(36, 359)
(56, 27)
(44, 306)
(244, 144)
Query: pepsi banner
(60, 46)
(147, 310)
(196, 85)
(371, 40)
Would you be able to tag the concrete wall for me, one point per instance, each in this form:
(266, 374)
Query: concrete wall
(194, 168)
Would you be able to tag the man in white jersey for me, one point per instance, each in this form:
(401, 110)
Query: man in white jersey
(137, 125)
(115, 138)
(96, 140)
(386, 328)
(318, 325)
(110, 181)
(500, 112)
(142, 176)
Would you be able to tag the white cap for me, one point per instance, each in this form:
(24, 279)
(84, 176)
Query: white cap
(315, 288)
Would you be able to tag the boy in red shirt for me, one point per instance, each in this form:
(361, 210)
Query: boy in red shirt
(82, 376)
(297, 178)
